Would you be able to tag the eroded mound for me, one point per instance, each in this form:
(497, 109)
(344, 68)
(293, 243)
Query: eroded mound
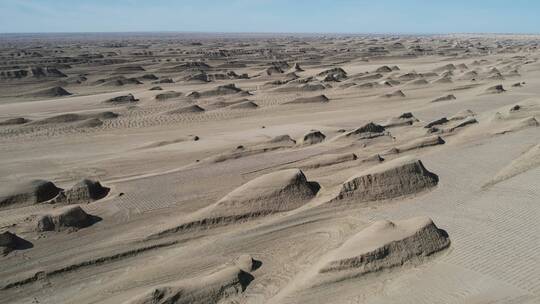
(168, 95)
(395, 94)
(283, 139)
(367, 131)
(444, 98)
(186, 110)
(33, 192)
(73, 217)
(462, 115)
(275, 192)
(495, 89)
(387, 244)
(420, 143)
(405, 119)
(328, 160)
(10, 241)
(402, 176)
(312, 137)
(122, 99)
(222, 90)
(74, 117)
(52, 92)
(214, 288)
(14, 121)
(85, 191)
(313, 99)
(90, 123)
(244, 105)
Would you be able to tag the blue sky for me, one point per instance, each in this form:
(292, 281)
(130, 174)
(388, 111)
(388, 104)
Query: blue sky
(328, 16)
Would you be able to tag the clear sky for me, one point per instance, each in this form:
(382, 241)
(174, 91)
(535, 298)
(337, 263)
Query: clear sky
(321, 16)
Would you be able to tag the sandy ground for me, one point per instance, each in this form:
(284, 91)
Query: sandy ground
(168, 222)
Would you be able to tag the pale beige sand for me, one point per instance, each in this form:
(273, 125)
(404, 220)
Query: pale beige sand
(252, 179)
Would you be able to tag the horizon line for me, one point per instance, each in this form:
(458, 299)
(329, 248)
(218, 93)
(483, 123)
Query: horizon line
(278, 32)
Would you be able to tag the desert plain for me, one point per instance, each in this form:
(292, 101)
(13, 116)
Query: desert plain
(259, 168)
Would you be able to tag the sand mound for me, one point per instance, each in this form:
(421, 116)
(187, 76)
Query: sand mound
(335, 74)
(328, 160)
(273, 70)
(52, 92)
(105, 115)
(395, 94)
(402, 176)
(437, 122)
(244, 105)
(221, 90)
(420, 143)
(383, 69)
(311, 138)
(448, 67)
(10, 241)
(409, 76)
(418, 82)
(186, 110)
(14, 121)
(62, 118)
(495, 89)
(520, 125)
(405, 119)
(527, 161)
(90, 123)
(149, 77)
(296, 68)
(312, 99)
(33, 192)
(117, 81)
(302, 85)
(85, 191)
(165, 80)
(7, 242)
(282, 139)
(462, 115)
(275, 192)
(46, 72)
(168, 95)
(215, 288)
(72, 117)
(387, 244)
(123, 99)
(443, 80)
(367, 131)
(129, 69)
(444, 98)
(467, 121)
(63, 218)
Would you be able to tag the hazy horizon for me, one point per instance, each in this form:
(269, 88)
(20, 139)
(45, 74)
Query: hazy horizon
(270, 16)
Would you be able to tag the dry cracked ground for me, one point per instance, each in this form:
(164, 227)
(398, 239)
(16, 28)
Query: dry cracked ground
(174, 168)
